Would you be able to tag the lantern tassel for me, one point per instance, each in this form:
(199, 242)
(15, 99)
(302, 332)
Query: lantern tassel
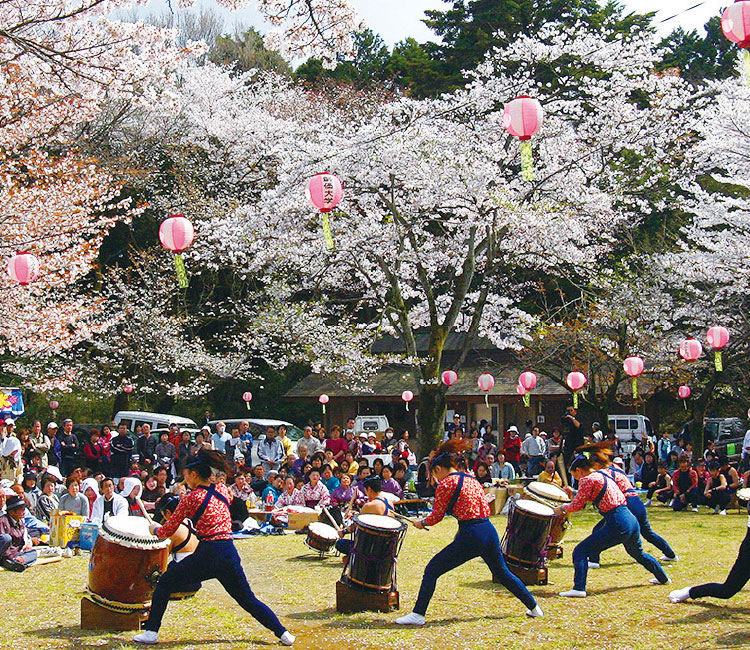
(575, 399)
(407, 406)
(486, 400)
(179, 266)
(746, 56)
(527, 161)
(248, 405)
(717, 362)
(527, 400)
(635, 388)
(327, 232)
(684, 403)
(324, 409)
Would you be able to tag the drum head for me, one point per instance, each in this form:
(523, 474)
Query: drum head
(378, 521)
(548, 491)
(743, 494)
(132, 532)
(534, 508)
(324, 531)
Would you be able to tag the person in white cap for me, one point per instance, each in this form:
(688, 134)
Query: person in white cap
(11, 466)
(55, 450)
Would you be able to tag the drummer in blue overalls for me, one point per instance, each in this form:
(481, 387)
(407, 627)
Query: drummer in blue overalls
(376, 504)
(460, 495)
(620, 526)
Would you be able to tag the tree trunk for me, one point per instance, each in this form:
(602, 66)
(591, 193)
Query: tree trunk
(700, 406)
(432, 407)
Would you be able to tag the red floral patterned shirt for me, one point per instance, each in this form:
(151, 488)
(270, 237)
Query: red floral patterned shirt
(589, 488)
(623, 482)
(471, 504)
(215, 523)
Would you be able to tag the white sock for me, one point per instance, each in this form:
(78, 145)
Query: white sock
(679, 595)
(534, 613)
(411, 619)
(573, 593)
(287, 638)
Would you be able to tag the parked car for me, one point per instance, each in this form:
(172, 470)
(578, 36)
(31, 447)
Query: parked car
(630, 428)
(728, 434)
(376, 424)
(157, 420)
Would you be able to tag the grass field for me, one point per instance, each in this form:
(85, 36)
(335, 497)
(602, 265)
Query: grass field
(622, 612)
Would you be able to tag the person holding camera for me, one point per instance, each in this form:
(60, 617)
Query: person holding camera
(572, 434)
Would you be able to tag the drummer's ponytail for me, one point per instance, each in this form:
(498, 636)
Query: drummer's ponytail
(207, 463)
(450, 454)
(600, 453)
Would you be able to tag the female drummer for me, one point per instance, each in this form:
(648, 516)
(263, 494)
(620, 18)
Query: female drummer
(207, 506)
(619, 527)
(600, 455)
(460, 495)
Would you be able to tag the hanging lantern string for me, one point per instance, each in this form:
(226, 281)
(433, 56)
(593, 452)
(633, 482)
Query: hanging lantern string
(527, 160)
(179, 265)
(327, 232)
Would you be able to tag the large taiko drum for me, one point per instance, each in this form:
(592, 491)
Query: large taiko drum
(372, 561)
(526, 537)
(321, 537)
(553, 496)
(126, 563)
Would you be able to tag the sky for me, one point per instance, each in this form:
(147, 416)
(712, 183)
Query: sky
(396, 20)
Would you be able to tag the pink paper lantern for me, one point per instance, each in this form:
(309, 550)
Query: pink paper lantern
(684, 392)
(176, 233)
(576, 380)
(633, 366)
(23, 268)
(690, 349)
(520, 390)
(53, 405)
(407, 396)
(449, 377)
(323, 399)
(523, 117)
(127, 389)
(324, 191)
(486, 382)
(527, 380)
(247, 396)
(735, 23)
(717, 337)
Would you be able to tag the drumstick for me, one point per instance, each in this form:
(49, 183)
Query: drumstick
(331, 519)
(406, 519)
(143, 510)
(351, 502)
(561, 467)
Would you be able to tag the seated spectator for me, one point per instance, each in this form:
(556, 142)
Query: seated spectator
(388, 483)
(377, 466)
(685, 486)
(315, 493)
(328, 459)
(399, 475)
(328, 479)
(108, 503)
(717, 493)
(703, 476)
(661, 487)
(257, 482)
(346, 492)
(636, 465)
(287, 466)
(73, 500)
(300, 462)
(291, 496)
(132, 488)
(730, 474)
(353, 464)
(504, 470)
(16, 546)
(673, 460)
(272, 491)
(152, 493)
(90, 489)
(482, 474)
(550, 474)
(30, 490)
(362, 475)
(48, 499)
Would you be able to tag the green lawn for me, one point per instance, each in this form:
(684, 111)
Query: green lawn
(622, 611)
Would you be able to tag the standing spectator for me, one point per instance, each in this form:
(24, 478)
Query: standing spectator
(221, 438)
(92, 450)
(237, 450)
(246, 435)
(105, 440)
(184, 450)
(710, 450)
(310, 442)
(487, 448)
(336, 444)
(11, 464)
(456, 429)
(40, 442)
(389, 442)
(166, 454)
(206, 419)
(70, 445)
(175, 433)
(146, 447)
(270, 451)
(596, 432)
(512, 447)
(351, 442)
(350, 427)
(746, 451)
(122, 446)
(533, 450)
(554, 444)
(54, 455)
(685, 486)
(16, 546)
(664, 447)
(284, 440)
(73, 500)
(572, 436)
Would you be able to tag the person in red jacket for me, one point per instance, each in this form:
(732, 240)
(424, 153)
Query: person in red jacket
(512, 447)
(685, 486)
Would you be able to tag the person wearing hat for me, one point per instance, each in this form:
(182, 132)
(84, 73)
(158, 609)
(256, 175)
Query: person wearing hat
(512, 447)
(11, 465)
(455, 429)
(54, 455)
(16, 547)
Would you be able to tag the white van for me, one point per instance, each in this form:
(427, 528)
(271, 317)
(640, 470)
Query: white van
(376, 424)
(630, 427)
(157, 420)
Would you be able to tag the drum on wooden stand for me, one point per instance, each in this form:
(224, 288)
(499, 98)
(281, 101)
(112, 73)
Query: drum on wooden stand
(372, 562)
(553, 496)
(526, 537)
(321, 537)
(126, 563)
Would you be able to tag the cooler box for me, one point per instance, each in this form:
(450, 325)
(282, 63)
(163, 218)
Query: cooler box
(64, 528)
(88, 535)
(731, 449)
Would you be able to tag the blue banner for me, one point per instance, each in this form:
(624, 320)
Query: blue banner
(11, 403)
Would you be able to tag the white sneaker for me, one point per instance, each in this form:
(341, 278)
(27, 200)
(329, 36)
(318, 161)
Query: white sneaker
(411, 619)
(723, 512)
(664, 558)
(656, 581)
(534, 613)
(573, 593)
(67, 552)
(695, 508)
(679, 595)
(287, 638)
(594, 565)
(147, 636)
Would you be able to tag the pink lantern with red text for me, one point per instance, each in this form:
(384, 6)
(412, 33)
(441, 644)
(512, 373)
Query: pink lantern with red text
(486, 383)
(407, 396)
(528, 380)
(523, 118)
(575, 381)
(247, 397)
(176, 233)
(23, 268)
(325, 192)
(684, 392)
(449, 377)
(323, 399)
(633, 367)
(735, 23)
(717, 338)
(691, 349)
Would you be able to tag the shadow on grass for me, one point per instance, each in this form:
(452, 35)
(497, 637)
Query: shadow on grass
(319, 615)
(711, 612)
(310, 558)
